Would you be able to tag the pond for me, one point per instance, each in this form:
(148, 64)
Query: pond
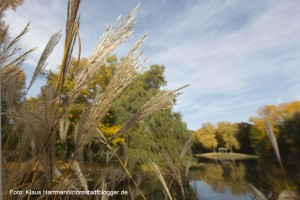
(231, 180)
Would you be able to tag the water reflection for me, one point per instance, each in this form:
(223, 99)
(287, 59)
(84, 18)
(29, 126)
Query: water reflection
(231, 179)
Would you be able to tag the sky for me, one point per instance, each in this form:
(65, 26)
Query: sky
(237, 55)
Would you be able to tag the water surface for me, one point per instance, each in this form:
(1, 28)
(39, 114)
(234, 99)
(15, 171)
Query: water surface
(230, 180)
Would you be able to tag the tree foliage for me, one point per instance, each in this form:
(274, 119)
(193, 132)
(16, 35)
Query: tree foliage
(206, 136)
(243, 137)
(274, 114)
(228, 132)
(252, 137)
(279, 117)
(289, 137)
(163, 131)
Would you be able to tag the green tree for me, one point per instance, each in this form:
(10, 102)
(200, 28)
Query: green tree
(163, 131)
(243, 137)
(289, 136)
(260, 143)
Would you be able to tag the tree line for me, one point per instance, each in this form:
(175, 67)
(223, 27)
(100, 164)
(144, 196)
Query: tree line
(164, 130)
(251, 137)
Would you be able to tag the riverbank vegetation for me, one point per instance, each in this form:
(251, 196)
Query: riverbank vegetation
(252, 137)
(228, 156)
(274, 134)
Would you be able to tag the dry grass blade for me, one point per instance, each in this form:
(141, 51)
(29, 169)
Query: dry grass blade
(258, 194)
(270, 132)
(71, 34)
(103, 139)
(76, 168)
(13, 68)
(128, 173)
(7, 49)
(173, 170)
(186, 147)
(160, 177)
(3, 33)
(187, 168)
(64, 127)
(162, 100)
(11, 59)
(47, 51)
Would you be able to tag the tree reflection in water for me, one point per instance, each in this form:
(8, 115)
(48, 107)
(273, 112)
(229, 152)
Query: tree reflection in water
(222, 178)
(233, 178)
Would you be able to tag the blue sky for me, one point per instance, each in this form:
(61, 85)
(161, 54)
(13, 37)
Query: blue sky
(238, 55)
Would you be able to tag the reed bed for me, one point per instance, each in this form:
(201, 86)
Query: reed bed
(38, 126)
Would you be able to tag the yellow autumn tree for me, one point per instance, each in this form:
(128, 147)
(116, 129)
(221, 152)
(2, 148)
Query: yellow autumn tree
(273, 114)
(206, 136)
(228, 132)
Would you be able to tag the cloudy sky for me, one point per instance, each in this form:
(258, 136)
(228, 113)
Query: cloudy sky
(238, 55)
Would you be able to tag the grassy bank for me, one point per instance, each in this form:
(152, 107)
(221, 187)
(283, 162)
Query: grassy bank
(230, 156)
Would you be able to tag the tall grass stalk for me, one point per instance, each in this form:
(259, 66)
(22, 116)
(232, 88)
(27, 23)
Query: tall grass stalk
(258, 194)
(161, 178)
(104, 141)
(273, 139)
(174, 172)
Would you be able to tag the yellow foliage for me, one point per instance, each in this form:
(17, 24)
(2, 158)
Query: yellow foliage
(274, 114)
(228, 131)
(109, 131)
(118, 141)
(206, 136)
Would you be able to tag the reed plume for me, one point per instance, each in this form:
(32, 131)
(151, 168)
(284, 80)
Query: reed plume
(9, 62)
(125, 75)
(113, 36)
(41, 122)
(41, 63)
